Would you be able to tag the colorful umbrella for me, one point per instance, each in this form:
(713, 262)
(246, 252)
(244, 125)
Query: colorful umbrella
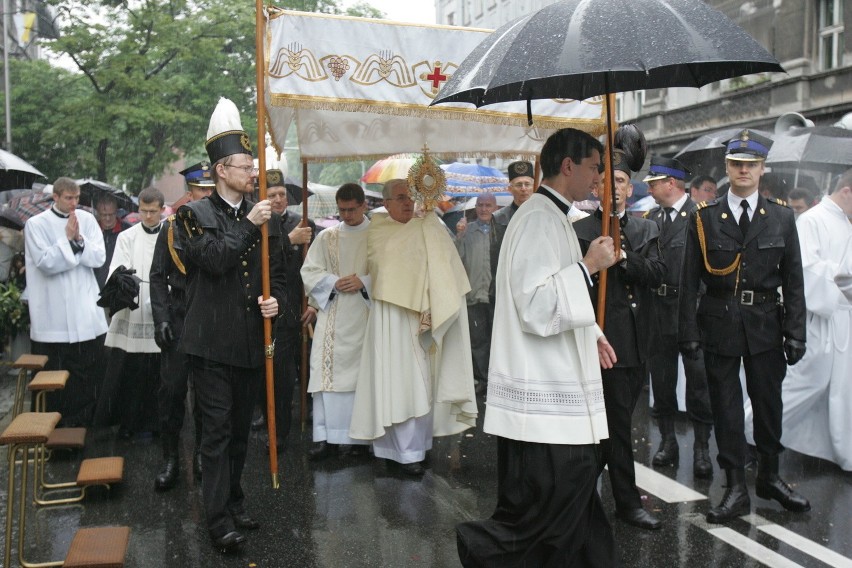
(392, 167)
(472, 177)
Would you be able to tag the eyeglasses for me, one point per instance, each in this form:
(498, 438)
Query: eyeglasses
(247, 169)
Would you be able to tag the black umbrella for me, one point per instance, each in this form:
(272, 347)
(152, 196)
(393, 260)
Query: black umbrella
(821, 148)
(91, 190)
(15, 172)
(576, 49)
(706, 154)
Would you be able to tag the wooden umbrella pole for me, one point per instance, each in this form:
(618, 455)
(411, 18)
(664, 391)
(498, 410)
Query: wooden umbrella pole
(269, 347)
(303, 368)
(609, 222)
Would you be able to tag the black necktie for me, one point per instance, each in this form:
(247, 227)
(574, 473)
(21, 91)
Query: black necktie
(744, 220)
(667, 220)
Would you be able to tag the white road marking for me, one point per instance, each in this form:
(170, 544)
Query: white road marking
(664, 487)
(799, 542)
(752, 548)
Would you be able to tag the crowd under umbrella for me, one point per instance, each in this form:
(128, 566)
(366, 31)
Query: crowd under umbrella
(16, 172)
(91, 190)
(577, 49)
(463, 178)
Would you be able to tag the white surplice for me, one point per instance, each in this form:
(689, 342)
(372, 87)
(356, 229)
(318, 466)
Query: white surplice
(416, 374)
(341, 323)
(544, 383)
(817, 391)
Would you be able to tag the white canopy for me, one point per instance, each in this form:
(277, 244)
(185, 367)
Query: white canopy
(360, 88)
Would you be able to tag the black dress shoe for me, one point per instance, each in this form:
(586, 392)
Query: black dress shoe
(320, 451)
(243, 521)
(230, 542)
(413, 469)
(640, 518)
(735, 502)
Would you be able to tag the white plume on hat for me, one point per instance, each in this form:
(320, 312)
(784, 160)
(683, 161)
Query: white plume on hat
(225, 118)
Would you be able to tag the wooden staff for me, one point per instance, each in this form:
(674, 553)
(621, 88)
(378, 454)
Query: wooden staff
(269, 347)
(609, 221)
(303, 368)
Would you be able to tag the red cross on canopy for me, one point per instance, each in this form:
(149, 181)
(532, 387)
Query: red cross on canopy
(436, 77)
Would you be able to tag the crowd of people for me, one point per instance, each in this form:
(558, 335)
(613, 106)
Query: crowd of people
(414, 320)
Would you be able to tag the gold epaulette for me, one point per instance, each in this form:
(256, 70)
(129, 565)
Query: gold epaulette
(646, 213)
(190, 223)
(778, 201)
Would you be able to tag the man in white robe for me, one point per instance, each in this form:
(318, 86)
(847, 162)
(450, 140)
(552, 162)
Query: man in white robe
(129, 396)
(335, 277)
(817, 392)
(62, 246)
(416, 375)
(545, 394)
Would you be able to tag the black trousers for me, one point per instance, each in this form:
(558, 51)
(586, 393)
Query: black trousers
(621, 386)
(663, 365)
(129, 393)
(548, 514)
(171, 395)
(84, 362)
(480, 318)
(226, 397)
(285, 362)
(764, 374)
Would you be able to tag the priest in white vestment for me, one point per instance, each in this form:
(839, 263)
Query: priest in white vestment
(336, 281)
(817, 392)
(416, 375)
(545, 394)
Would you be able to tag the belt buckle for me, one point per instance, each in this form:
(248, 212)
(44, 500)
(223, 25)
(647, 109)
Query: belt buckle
(661, 291)
(747, 297)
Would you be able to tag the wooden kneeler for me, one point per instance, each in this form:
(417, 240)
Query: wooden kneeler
(25, 364)
(91, 547)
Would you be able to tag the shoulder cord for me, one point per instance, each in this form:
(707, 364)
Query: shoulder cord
(716, 271)
(172, 251)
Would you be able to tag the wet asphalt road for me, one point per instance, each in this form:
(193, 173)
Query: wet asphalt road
(360, 513)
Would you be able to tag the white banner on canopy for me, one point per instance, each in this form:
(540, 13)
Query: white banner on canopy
(360, 88)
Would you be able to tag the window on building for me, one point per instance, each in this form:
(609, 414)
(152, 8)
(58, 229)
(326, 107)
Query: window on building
(451, 19)
(830, 34)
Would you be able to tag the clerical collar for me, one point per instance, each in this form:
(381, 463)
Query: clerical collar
(563, 204)
(59, 213)
(151, 230)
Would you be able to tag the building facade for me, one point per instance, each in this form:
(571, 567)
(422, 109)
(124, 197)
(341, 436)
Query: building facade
(806, 36)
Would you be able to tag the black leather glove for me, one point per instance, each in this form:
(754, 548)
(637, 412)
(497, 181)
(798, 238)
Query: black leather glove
(163, 335)
(690, 350)
(794, 350)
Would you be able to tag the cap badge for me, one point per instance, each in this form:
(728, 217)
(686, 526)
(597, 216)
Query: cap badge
(244, 141)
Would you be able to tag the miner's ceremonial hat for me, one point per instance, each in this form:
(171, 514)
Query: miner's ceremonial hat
(519, 169)
(274, 178)
(225, 135)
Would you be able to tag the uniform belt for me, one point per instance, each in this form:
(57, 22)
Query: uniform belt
(745, 297)
(666, 290)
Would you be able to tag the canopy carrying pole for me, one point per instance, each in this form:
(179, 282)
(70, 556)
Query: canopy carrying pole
(303, 367)
(269, 347)
(609, 218)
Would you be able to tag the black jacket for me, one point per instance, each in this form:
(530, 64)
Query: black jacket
(672, 244)
(223, 275)
(167, 279)
(628, 293)
(291, 308)
(770, 258)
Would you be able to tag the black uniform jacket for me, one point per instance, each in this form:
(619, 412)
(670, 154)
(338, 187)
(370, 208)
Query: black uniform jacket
(672, 244)
(168, 278)
(740, 313)
(628, 293)
(223, 281)
(290, 311)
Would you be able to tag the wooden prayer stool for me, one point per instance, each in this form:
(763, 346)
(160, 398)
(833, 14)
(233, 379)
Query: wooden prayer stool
(44, 382)
(26, 364)
(93, 471)
(91, 547)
